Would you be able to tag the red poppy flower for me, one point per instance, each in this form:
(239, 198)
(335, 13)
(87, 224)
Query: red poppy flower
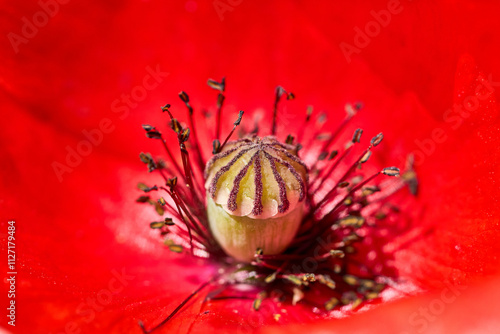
(78, 80)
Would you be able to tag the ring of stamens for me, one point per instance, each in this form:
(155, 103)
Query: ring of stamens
(336, 213)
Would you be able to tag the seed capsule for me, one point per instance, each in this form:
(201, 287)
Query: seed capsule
(255, 196)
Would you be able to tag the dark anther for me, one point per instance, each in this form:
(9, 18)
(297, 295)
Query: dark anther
(145, 188)
(357, 135)
(166, 108)
(322, 156)
(152, 166)
(153, 134)
(169, 222)
(175, 125)
(333, 154)
(172, 182)
(216, 146)
(279, 91)
(377, 139)
(238, 121)
(148, 159)
(142, 199)
(184, 135)
(156, 225)
(391, 171)
(220, 86)
(240, 116)
(145, 157)
(184, 97)
(366, 157)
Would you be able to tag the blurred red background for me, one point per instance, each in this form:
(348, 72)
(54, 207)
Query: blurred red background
(72, 67)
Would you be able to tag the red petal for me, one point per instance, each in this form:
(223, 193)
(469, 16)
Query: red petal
(66, 79)
(459, 177)
(454, 308)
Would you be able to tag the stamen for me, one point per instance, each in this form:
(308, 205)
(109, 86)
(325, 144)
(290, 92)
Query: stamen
(156, 225)
(351, 111)
(151, 132)
(183, 136)
(178, 308)
(357, 135)
(221, 87)
(391, 171)
(238, 121)
(322, 177)
(177, 201)
(187, 166)
(280, 91)
(200, 226)
(215, 146)
(365, 157)
(352, 221)
(258, 301)
(145, 188)
(366, 154)
(377, 139)
(166, 108)
(354, 202)
(196, 144)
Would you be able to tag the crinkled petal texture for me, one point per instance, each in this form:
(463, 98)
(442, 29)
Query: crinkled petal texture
(78, 79)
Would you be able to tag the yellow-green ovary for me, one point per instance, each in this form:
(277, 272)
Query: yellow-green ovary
(262, 208)
(241, 236)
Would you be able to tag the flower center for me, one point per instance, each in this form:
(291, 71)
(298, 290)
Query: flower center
(255, 196)
(298, 228)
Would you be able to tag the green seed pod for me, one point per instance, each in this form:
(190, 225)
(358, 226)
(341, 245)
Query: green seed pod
(256, 189)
